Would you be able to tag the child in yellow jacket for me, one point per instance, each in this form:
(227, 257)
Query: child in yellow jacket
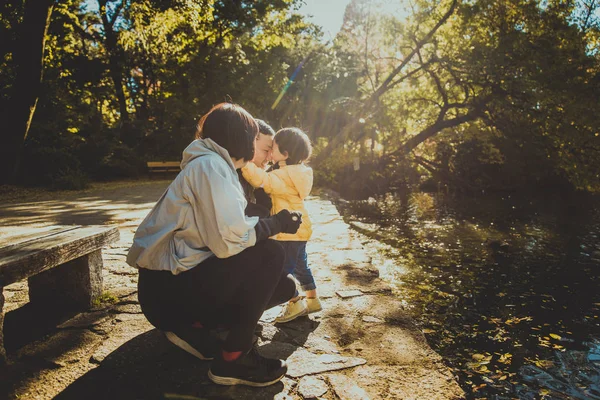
(288, 184)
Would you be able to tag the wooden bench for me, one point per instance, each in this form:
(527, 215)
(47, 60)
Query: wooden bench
(63, 265)
(163, 166)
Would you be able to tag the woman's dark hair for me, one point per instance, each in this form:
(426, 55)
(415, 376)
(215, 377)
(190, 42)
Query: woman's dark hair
(295, 143)
(265, 128)
(232, 128)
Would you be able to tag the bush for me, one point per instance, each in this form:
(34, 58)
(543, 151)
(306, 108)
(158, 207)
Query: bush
(68, 161)
(53, 165)
(69, 179)
(108, 159)
(373, 177)
(120, 162)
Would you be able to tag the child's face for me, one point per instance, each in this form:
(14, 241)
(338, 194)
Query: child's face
(277, 156)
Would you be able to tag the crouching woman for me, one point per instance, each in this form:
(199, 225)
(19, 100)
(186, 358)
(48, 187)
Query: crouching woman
(202, 263)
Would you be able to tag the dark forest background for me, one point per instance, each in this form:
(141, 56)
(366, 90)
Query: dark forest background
(473, 95)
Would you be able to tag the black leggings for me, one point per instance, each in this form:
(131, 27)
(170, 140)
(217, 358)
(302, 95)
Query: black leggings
(232, 291)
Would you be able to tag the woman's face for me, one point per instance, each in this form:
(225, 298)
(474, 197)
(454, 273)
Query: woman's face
(262, 150)
(277, 156)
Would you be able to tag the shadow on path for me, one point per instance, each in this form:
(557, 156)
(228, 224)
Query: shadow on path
(93, 207)
(149, 367)
(32, 322)
(288, 337)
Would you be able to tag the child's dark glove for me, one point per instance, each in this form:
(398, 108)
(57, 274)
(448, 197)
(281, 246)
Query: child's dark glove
(290, 221)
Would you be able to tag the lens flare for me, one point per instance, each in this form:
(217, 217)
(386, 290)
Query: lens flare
(289, 82)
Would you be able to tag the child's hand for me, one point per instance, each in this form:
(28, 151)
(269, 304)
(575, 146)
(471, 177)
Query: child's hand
(290, 221)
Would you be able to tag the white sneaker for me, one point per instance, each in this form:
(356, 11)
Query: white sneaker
(292, 311)
(314, 305)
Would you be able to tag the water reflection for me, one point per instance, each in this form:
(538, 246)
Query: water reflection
(505, 288)
(574, 375)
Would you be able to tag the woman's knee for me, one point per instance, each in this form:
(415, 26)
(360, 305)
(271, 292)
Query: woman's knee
(154, 299)
(288, 287)
(284, 291)
(146, 295)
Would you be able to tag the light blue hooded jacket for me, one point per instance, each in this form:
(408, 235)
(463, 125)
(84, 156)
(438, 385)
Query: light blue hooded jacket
(199, 216)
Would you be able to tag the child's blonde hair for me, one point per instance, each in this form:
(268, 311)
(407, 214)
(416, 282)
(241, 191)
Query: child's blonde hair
(295, 143)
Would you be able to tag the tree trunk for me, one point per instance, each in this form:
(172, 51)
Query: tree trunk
(29, 64)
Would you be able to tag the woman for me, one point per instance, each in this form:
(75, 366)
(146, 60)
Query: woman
(203, 263)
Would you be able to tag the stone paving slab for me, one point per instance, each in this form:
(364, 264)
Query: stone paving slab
(360, 346)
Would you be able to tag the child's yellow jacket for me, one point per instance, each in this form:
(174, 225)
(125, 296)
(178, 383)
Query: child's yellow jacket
(288, 186)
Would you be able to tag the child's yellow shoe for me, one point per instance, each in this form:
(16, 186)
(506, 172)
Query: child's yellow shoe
(292, 310)
(314, 305)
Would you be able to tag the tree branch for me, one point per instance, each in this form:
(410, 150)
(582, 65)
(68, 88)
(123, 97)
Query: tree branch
(422, 162)
(428, 162)
(437, 81)
(590, 11)
(384, 87)
(426, 100)
(439, 125)
(118, 9)
(408, 75)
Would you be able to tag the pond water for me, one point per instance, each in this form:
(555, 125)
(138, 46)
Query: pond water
(506, 289)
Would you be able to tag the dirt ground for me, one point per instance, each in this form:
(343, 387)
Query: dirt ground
(362, 345)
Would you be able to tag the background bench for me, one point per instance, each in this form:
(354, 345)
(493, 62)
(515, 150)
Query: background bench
(163, 166)
(63, 265)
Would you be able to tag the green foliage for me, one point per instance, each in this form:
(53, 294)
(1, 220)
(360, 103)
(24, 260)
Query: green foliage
(479, 94)
(10, 17)
(69, 179)
(110, 159)
(517, 77)
(176, 60)
(53, 164)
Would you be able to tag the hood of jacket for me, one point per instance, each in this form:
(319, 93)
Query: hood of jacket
(201, 147)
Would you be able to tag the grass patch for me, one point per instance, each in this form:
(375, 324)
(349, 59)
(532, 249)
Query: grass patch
(105, 298)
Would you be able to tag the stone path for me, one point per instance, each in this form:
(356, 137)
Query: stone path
(361, 346)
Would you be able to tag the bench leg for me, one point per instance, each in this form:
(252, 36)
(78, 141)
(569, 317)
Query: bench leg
(77, 283)
(2, 351)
